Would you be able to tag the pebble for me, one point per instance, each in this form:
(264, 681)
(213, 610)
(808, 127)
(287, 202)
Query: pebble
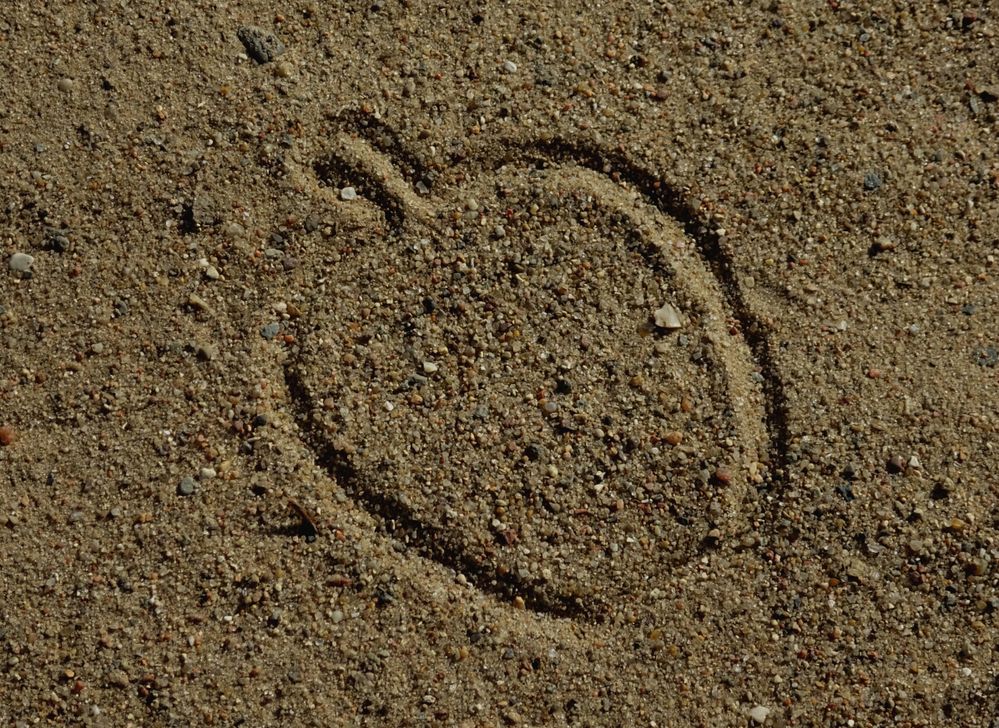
(509, 66)
(6, 436)
(21, 262)
(987, 356)
(186, 486)
(65, 85)
(673, 438)
(759, 714)
(895, 464)
(722, 476)
(206, 352)
(348, 194)
(668, 317)
(58, 243)
(872, 181)
(198, 302)
(261, 45)
(212, 273)
(270, 330)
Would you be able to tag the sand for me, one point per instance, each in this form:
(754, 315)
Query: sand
(499, 364)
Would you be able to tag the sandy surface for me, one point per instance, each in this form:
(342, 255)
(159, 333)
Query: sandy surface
(400, 363)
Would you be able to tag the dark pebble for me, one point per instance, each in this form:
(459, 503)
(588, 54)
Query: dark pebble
(846, 491)
(186, 486)
(895, 464)
(534, 451)
(261, 46)
(872, 181)
(57, 242)
(987, 356)
(312, 223)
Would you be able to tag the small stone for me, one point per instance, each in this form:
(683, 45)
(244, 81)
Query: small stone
(312, 223)
(212, 273)
(207, 352)
(429, 367)
(7, 436)
(57, 242)
(881, 245)
(872, 181)
(261, 45)
(668, 317)
(914, 463)
(673, 438)
(759, 714)
(207, 473)
(895, 464)
(118, 679)
(21, 262)
(722, 476)
(65, 85)
(186, 486)
(196, 301)
(270, 330)
(509, 66)
(987, 356)
(284, 70)
(348, 193)
(856, 569)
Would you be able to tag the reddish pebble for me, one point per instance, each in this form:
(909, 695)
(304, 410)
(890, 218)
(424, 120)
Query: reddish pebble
(723, 476)
(874, 373)
(6, 435)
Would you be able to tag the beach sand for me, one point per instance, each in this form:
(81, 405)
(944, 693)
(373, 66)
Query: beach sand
(403, 363)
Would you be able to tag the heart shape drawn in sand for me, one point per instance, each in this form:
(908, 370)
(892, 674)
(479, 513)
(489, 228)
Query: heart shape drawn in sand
(489, 376)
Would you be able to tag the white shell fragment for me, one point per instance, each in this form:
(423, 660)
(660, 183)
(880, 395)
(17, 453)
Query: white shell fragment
(668, 317)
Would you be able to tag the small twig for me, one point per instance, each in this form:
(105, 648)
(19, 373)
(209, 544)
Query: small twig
(308, 527)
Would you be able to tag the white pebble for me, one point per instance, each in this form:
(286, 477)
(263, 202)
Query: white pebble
(21, 262)
(348, 193)
(509, 66)
(759, 714)
(668, 317)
